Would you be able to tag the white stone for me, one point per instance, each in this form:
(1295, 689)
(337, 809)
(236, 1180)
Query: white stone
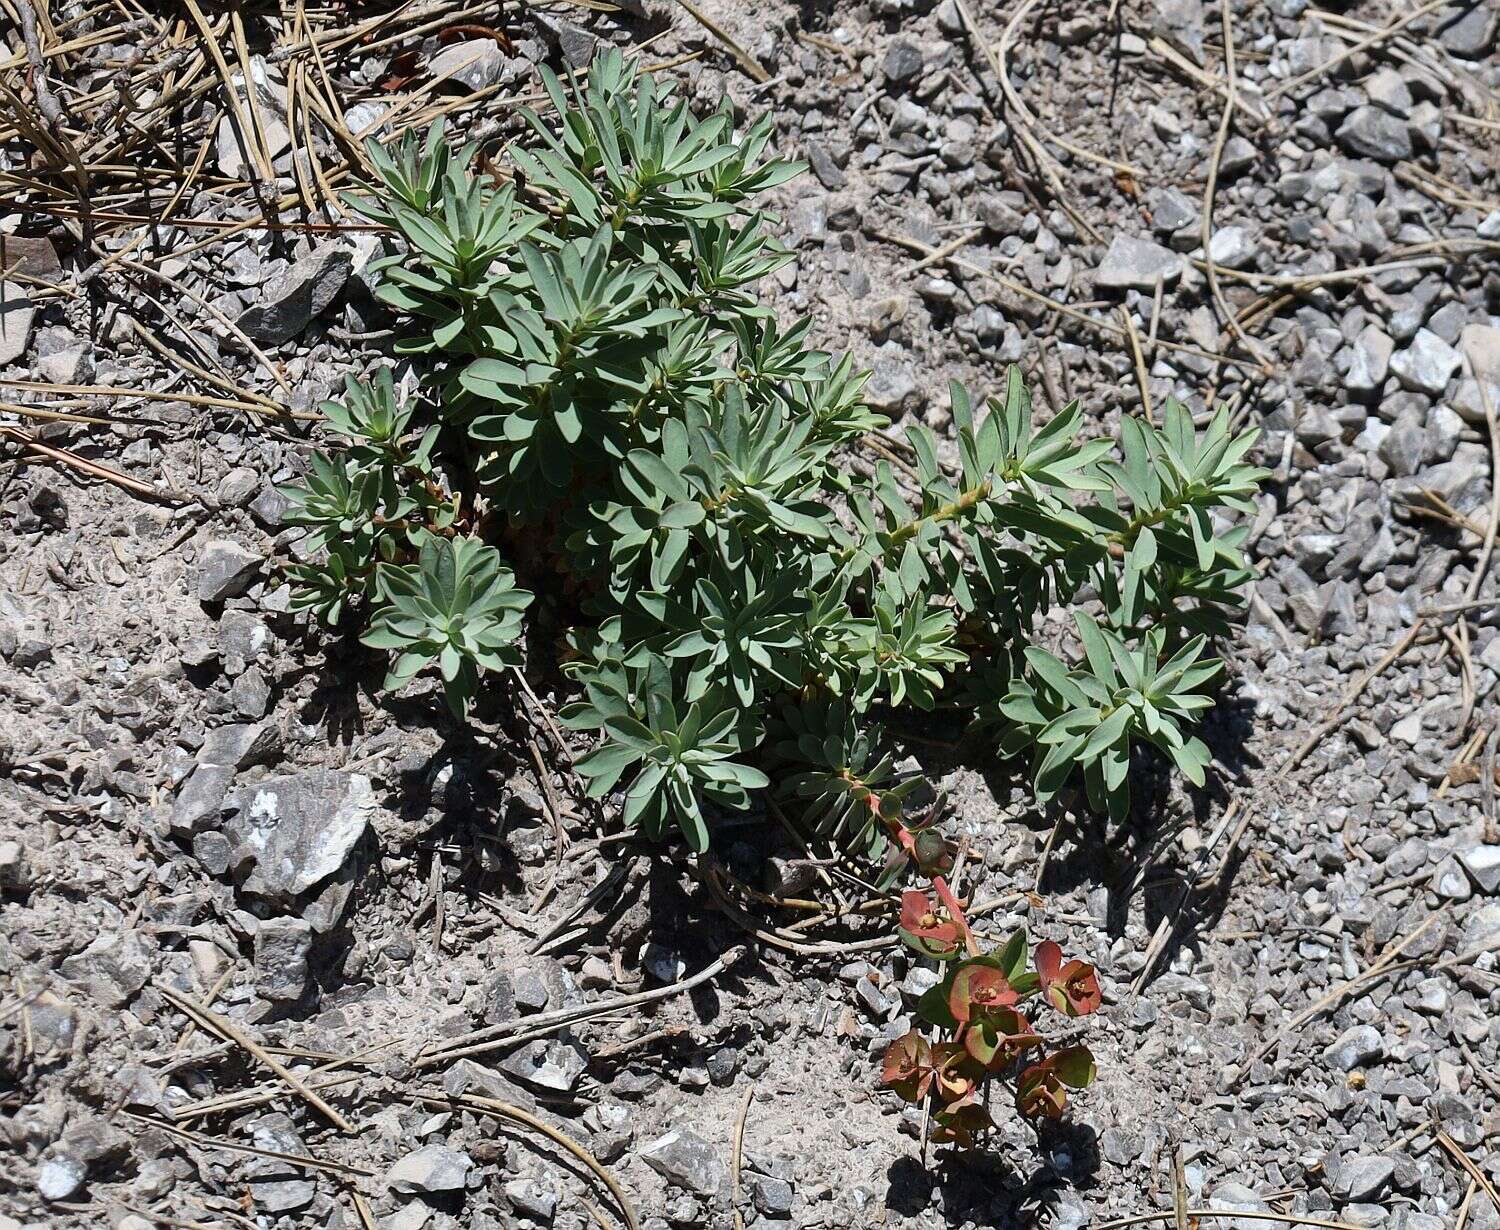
(1427, 364)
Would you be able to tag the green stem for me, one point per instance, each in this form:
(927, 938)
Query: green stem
(948, 512)
(1126, 537)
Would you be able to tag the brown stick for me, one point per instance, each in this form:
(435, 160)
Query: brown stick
(741, 57)
(1351, 695)
(92, 468)
(1394, 28)
(504, 1110)
(1464, 1160)
(46, 101)
(231, 1032)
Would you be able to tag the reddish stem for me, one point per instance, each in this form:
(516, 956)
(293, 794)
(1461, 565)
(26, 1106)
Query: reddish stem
(904, 837)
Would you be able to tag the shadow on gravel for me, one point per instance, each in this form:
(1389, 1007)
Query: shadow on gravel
(981, 1189)
(1144, 860)
(345, 672)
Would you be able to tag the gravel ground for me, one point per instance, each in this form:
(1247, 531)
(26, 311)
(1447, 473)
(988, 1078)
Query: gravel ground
(235, 875)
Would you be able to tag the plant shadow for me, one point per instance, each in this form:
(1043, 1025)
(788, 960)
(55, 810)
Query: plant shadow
(983, 1189)
(1163, 859)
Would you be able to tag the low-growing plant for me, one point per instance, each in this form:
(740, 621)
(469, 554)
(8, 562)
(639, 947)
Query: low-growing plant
(608, 415)
(976, 1009)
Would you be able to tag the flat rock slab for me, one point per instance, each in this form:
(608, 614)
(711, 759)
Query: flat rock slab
(298, 830)
(30, 255)
(225, 570)
(1133, 263)
(432, 1168)
(17, 316)
(298, 295)
(1427, 364)
(684, 1159)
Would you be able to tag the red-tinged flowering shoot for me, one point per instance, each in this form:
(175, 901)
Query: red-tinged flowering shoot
(957, 1122)
(907, 1067)
(984, 1035)
(957, 1076)
(1042, 1088)
(1000, 1038)
(929, 928)
(931, 852)
(1071, 988)
(978, 991)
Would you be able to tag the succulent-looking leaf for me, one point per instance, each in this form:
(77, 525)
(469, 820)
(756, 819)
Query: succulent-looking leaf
(1071, 988)
(907, 1066)
(927, 928)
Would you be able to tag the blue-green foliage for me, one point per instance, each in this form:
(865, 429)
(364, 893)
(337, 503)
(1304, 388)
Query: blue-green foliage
(607, 403)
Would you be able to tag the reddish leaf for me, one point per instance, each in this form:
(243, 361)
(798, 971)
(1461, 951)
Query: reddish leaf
(977, 991)
(1039, 1094)
(453, 34)
(1072, 988)
(957, 1122)
(405, 67)
(926, 929)
(1000, 1038)
(907, 1066)
(957, 1075)
(933, 855)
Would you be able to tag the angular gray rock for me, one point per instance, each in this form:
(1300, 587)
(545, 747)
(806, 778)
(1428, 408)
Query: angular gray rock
(684, 1159)
(532, 1198)
(238, 487)
(823, 166)
(278, 1187)
(555, 1064)
(1386, 88)
(1369, 360)
(892, 384)
(112, 969)
(575, 43)
(1181, 21)
(1133, 263)
(1481, 343)
(1483, 865)
(432, 1168)
(1405, 446)
(1233, 247)
(201, 798)
(240, 744)
(1373, 132)
(903, 62)
(60, 1177)
(17, 315)
(1235, 1197)
(475, 63)
(772, 1196)
(1427, 364)
(298, 295)
(225, 570)
(1448, 879)
(1239, 155)
(281, 949)
(1357, 1047)
(1363, 1178)
(298, 829)
(1173, 211)
(15, 876)
(466, 1076)
(1469, 30)
(274, 134)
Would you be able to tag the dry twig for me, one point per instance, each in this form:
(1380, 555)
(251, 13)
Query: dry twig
(231, 1032)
